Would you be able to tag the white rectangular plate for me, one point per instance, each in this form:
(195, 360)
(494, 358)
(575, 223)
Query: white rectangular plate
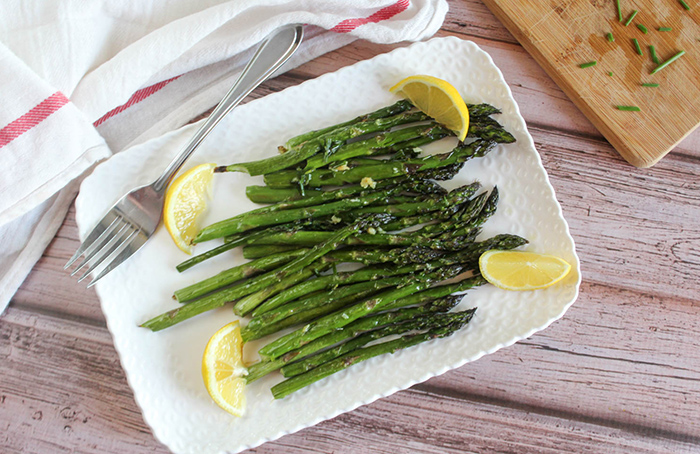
(164, 368)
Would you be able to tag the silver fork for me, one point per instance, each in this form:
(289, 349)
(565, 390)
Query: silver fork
(134, 218)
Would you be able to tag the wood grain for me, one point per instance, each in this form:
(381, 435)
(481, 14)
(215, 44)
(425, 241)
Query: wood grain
(563, 35)
(619, 373)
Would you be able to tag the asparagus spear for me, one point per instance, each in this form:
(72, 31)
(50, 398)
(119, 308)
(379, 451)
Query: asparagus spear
(220, 298)
(326, 306)
(311, 238)
(376, 144)
(320, 197)
(277, 308)
(324, 325)
(317, 301)
(489, 129)
(293, 313)
(475, 111)
(298, 382)
(330, 281)
(445, 212)
(327, 143)
(231, 275)
(264, 194)
(348, 334)
(390, 169)
(418, 323)
(231, 244)
(488, 210)
(482, 128)
(246, 304)
(468, 211)
(255, 251)
(396, 108)
(242, 223)
(435, 204)
(482, 110)
(323, 304)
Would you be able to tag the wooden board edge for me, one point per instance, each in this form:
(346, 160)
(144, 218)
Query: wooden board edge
(621, 147)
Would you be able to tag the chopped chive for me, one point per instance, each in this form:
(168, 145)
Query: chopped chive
(629, 108)
(636, 46)
(665, 29)
(642, 28)
(611, 38)
(610, 73)
(652, 52)
(668, 62)
(588, 65)
(629, 20)
(685, 5)
(619, 10)
(650, 85)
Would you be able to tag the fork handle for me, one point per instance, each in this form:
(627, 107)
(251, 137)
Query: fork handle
(273, 52)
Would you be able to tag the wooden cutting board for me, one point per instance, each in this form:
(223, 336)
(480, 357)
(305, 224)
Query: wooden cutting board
(562, 34)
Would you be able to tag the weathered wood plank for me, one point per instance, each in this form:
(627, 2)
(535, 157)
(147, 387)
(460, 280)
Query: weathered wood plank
(618, 357)
(63, 389)
(634, 228)
(412, 421)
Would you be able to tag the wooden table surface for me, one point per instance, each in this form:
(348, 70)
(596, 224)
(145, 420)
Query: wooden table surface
(620, 372)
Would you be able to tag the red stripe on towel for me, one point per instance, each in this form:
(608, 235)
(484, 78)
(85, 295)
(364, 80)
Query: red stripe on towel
(32, 118)
(385, 13)
(137, 97)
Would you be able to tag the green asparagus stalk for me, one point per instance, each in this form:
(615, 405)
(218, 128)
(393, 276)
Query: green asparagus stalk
(231, 275)
(475, 111)
(265, 194)
(444, 213)
(304, 238)
(298, 382)
(327, 143)
(348, 333)
(376, 144)
(338, 319)
(468, 211)
(481, 110)
(418, 323)
(277, 308)
(316, 301)
(435, 204)
(322, 305)
(390, 169)
(489, 129)
(242, 223)
(321, 197)
(233, 243)
(246, 304)
(255, 251)
(439, 291)
(394, 109)
(220, 298)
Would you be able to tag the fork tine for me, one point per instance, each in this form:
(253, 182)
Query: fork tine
(131, 245)
(95, 237)
(103, 245)
(109, 248)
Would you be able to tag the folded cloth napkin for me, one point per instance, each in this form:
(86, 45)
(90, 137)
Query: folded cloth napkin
(83, 79)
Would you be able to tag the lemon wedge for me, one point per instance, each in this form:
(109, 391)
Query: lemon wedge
(517, 270)
(438, 99)
(223, 370)
(185, 202)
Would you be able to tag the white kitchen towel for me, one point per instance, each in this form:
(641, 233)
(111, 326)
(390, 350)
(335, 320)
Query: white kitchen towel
(82, 79)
